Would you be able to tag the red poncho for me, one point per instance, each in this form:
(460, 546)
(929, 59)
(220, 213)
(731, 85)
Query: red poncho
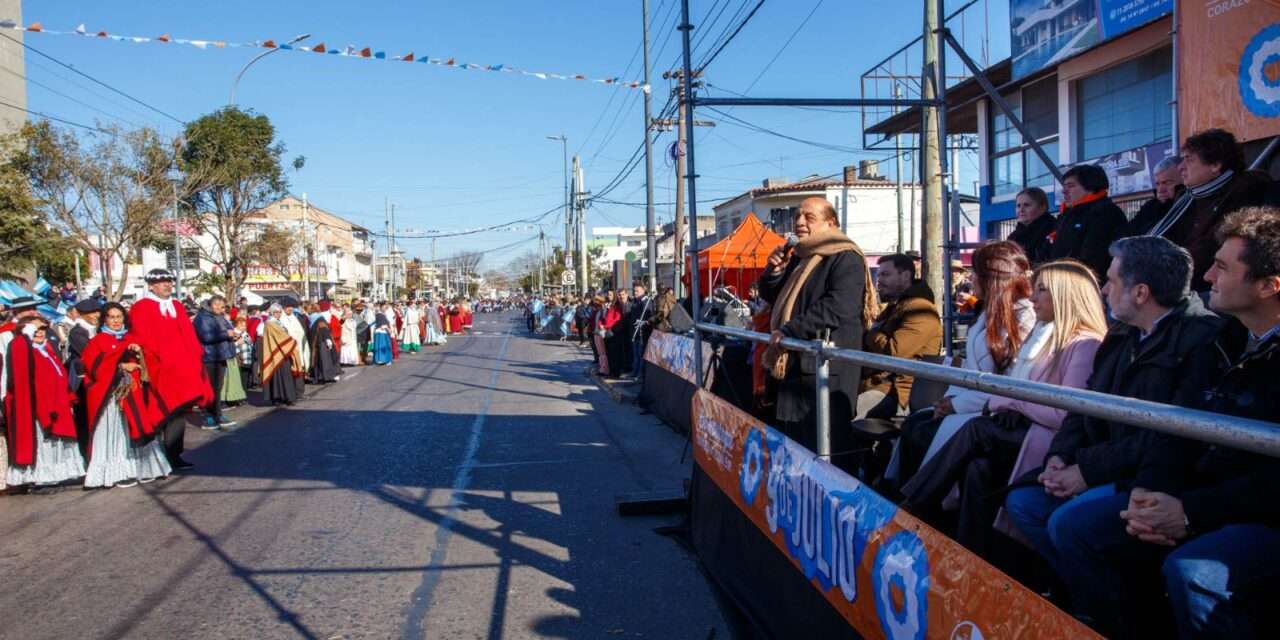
(335, 328)
(37, 393)
(173, 355)
(102, 359)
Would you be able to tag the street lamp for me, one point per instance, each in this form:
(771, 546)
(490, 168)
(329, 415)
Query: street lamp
(231, 102)
(568, 217)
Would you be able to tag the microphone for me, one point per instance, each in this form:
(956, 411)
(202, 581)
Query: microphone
(792, 241)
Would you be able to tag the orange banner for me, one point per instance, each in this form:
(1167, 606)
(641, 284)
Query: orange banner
(887, 573)
(1229, 67)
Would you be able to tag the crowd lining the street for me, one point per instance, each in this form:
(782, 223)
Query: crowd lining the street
(100, 397)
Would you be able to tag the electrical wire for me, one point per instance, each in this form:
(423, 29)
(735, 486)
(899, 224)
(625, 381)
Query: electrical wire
(784, 46)
(714, 54)
(53, 118)
(91, 78)
(470, 232)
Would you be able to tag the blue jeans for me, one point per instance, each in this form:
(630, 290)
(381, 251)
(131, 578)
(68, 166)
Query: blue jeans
(1220, 582)
(1036, 514)
(637, 358)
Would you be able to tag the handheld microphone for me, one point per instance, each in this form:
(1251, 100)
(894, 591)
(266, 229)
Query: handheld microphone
(792, 241)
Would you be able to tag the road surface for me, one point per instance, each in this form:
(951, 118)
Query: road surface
(464, 492)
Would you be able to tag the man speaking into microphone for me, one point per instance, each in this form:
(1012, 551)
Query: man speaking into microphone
(818, 284)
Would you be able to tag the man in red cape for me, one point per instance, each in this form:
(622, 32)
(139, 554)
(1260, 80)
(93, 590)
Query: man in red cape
(174, 359)
(38, 397)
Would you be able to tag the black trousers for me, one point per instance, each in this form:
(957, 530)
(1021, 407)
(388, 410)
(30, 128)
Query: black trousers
(918, 431)
(217, 376)
(980, 457)
(173, 434)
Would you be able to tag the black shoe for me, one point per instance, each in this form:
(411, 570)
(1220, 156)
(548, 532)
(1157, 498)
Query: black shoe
(181, 465)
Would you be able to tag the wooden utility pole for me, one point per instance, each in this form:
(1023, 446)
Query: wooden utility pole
(680, 125)
(931, 237)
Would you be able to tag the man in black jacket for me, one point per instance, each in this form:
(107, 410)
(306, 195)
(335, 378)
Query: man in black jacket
(641, 311)
(1090, 221)
(1222, 521)
(1218, 183)
(1168, 188)
(1160, 341)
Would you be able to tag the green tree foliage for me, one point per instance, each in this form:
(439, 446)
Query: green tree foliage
(232, 166)
(28, 245)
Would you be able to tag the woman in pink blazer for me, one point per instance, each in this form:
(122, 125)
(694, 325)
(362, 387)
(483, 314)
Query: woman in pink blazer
(1012, 436)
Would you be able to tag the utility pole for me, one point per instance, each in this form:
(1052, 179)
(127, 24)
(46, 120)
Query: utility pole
(306, 252)
(542, 263)
(435, 268)
(177, 248)
(681, 133)
(395, 257)
(386, 227)
(931, 236)
(580, 196)
(651, 245)
(903, 238)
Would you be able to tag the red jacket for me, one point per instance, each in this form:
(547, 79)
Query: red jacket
(173, 354)
(38, 393)
(102, 359)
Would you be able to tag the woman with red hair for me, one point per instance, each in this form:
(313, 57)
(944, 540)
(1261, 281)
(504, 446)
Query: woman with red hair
(1002, 284)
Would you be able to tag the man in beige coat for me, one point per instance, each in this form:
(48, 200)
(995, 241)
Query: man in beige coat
(909, 326)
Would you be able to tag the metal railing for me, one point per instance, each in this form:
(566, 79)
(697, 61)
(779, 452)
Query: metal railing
(1230, 431)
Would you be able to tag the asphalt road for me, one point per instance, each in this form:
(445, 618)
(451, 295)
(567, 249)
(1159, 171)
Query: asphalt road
(464, 492)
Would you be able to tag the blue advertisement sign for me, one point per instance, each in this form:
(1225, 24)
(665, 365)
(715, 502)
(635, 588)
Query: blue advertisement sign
(1046, 32)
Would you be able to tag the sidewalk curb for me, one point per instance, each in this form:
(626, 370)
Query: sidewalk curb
(615, 390)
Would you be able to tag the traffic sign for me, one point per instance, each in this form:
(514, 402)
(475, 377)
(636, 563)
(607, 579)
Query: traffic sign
(568, 278)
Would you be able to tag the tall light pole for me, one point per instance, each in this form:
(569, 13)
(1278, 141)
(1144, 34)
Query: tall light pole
(651, 246)
(568, 210)
(231, 101)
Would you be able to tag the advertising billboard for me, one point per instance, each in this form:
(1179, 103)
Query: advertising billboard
(1046, 32)
(1229, 63)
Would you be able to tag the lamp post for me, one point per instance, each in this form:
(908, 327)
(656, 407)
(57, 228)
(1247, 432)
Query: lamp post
(568, 215)
(231, 101)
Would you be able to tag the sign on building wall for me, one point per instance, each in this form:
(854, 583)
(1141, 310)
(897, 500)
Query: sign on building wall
(1229, 67)
(1046, 32)
(1128, 172)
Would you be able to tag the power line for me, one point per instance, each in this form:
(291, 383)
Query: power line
(784, 47)
(104, 98)
(49, 117)
(469, 232)
(91, 78)
(736, 121)
(733, 35)
(71, 98)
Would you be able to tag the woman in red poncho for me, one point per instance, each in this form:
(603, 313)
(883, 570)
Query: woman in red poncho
(122, 408)
(37, 411)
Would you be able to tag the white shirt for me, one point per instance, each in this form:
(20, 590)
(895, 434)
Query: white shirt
(166, 305)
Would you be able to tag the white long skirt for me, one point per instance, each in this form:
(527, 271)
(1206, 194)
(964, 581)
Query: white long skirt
(115, 458)
(409, 334)
(433, 336)
(350, 354)
(57, 459)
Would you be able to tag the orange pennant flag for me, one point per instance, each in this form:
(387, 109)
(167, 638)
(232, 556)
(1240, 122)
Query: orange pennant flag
(102, 34)
(318, 48)
(449, 62)
(408, 57)
(270, 44)
(35, 26)
(365, 52)
(163, 38)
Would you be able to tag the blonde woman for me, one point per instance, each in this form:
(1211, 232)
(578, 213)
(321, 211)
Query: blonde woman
(994, 449)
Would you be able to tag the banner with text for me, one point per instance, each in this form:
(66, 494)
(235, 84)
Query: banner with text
(1229, 66)
(674, 353)
(884, 571)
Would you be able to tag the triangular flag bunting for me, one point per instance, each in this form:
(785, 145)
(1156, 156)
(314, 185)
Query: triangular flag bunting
(163, 38)
(270, 44)
(35, 26)
(319, 48)
(408, 57)
(381, 55)
(102, 34)
(80, 29)
(365, 52)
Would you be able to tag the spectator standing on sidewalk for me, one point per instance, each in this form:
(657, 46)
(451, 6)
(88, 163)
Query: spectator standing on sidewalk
(218, 340)
(641, 311)
(820, 288)
(174, 359)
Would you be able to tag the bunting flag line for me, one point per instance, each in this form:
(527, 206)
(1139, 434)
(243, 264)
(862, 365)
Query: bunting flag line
(321, 48)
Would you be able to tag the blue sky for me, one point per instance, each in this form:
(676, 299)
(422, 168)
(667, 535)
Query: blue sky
(460, 149)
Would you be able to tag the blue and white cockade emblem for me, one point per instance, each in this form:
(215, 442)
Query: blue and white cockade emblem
(901, 582)
(752, 466)
(1260, 73)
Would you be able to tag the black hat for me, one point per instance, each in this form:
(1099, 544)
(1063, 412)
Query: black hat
(88, 306)
(160, 275)
(22, 303)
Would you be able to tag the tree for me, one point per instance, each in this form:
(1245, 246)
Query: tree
(232, 167)
(110, 197)
(28, 245)
(280, 250)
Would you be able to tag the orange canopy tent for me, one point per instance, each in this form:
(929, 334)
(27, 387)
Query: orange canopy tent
(738, 260)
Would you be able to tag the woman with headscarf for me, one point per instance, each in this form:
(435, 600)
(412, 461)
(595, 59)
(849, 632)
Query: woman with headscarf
(820, 288)
(382, 341)
(37, 410)
(281, 361)
(122, 408)
(349, 353)
(324, 357)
